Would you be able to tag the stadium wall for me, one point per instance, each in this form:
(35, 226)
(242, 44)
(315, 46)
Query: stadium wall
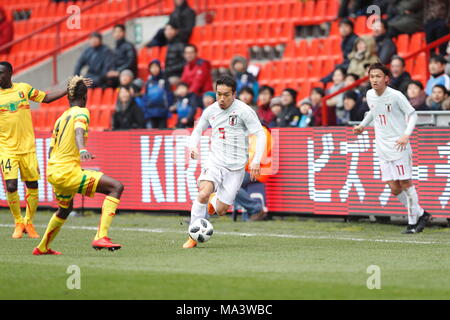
(317, 170)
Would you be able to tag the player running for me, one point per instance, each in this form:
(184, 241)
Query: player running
(232, 121)
(67, 177)
(17, 146)
(394, 121)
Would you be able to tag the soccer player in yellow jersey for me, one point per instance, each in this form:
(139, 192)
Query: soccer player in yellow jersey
(64, 172)
(17, 145)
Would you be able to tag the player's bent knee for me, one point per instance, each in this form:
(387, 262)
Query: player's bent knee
(119, 187)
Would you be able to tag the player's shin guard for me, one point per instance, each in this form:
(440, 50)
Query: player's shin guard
(32, 199)
(53, 228)
(109, 208)
(14, 206)
(414, 209)
(198, 210)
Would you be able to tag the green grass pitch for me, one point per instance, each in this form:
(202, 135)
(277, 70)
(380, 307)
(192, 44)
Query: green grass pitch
(281, 259)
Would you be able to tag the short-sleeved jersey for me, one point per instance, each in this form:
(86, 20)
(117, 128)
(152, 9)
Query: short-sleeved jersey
(390, 112)
(230, 131)
(16, 127)
(65, 154)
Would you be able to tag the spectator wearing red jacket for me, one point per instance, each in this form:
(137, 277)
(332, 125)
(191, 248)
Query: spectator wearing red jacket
(196, 72)
(6, 30)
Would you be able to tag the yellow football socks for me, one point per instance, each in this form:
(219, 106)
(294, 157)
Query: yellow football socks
(53, 228)
(109, 208)
(32, 199)
(14, 206)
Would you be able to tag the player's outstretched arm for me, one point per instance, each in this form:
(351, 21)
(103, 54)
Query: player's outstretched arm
(58, 94)
(79, 139)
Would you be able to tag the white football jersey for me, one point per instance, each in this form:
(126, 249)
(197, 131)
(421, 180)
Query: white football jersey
(390, 113)
(230, 131)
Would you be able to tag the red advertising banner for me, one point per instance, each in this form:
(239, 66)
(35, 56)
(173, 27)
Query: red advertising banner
(317, 170)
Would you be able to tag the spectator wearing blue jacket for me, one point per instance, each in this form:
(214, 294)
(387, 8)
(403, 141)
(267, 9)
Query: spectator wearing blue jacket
(244, 78)
(185, 106)
(438, 76)
(157, 97)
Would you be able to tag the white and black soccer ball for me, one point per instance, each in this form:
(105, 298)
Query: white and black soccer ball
(201, 230)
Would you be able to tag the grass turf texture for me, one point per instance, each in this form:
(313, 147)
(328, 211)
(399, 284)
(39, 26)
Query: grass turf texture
(316, 260)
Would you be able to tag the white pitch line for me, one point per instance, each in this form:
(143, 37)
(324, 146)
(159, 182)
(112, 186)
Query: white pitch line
(241, 234)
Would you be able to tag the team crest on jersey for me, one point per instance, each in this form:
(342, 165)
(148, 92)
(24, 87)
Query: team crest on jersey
(232, 120)
(21, 95)
(389, 107)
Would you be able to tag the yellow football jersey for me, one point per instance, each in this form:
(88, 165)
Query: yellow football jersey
(65, 153)
(16, 127)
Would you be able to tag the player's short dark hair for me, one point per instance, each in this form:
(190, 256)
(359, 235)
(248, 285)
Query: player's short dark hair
(7, 65)
(397, 57)
(267, 88)
(76, 89)
(442, 87)
(248, 90)
(380, 66)
(191, 45)
(227, 81)
(120, 26)
(318, 90)
(417, 83)
(438, 58)
(347, 22)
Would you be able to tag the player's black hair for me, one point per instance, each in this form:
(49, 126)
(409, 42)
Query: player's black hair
(397, 57)
(318, 90)
(440, 86)
(438, 58)
(347, 22)
(417, 83)
(268, 88)
(7, 65)
(191, 45)
(120, 26)
(76, 89)
(227, 81)
(248, 90)
(379, 66)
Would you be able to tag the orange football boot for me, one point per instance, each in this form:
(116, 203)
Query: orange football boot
(18, 231)
(38, 252)
(105, 242)
(29, 229)
(190, 243)
(211, 209)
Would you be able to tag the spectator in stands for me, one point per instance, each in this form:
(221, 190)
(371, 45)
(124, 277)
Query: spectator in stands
(349, 37)
(196, 72)
(185, 106)
(436, 21)
(290, 115)
(337, 102)
(98, 58)
(447, 68)
(184, 17)
(126, 77)
(246, 96)
(158, 97)
(354, 108)
(243, 78)
(363, 53)
(6, 30)
(136, 91)
(175, 54)
(128, 115)
(276, 108)
(315, 98)
(416, 95)
(400, 77)
(264, 112)
(208, 98)
(306, 118)
(438, 76)
(353, 8)
(124, 56)
(405, 16)
(386, 48)
(438, 97)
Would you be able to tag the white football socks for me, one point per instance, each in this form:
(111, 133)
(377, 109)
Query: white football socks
(198, 210)
(414, 209)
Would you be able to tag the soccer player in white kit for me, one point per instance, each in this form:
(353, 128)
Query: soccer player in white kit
(231, 121)
(394, 120)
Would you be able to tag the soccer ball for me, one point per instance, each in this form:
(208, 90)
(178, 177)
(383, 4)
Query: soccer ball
(201, 230)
